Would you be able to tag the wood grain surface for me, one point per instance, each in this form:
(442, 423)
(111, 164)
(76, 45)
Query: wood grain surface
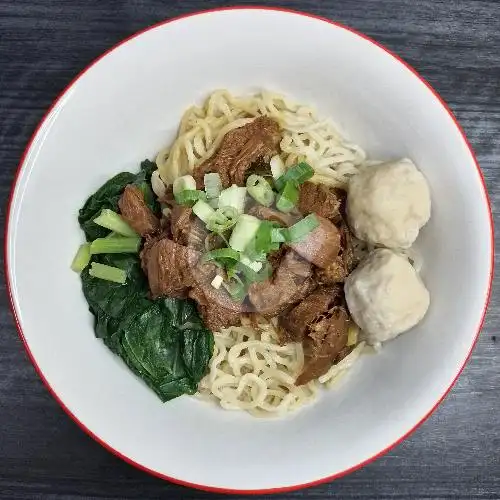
(454, 44)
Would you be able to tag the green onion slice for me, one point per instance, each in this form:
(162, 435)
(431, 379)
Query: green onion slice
(189, 197)
(233, 197)
(260, 190)
(279, 235)
(213, 185)
(108, 273)
(288, 197)
(236, 289)
(298, 174)
(111, 220)
(244, 231)
(302, 228)
(82, 258)
(222, 253)
(184, 183)
(222, 219)
(115, 245)
(203, 210)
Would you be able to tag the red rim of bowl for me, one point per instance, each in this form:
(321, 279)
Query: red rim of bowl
(180, 481)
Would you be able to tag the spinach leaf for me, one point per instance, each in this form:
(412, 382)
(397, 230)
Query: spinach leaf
(108, 195)
(163, 341)
(197, 349)
(143, 182)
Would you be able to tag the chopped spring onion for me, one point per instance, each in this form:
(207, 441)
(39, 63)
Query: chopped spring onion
(298, 174)
(234, 197)
(189, 197)
(301, 229)
(260, 190)
(213, 185)
(158, 186)
(277, 166)
(222, 253)
(115, 245)
(111, 220)
(82, 258)
(184, 183)
(352, 335)
(217, 281)
(279, 235)
(244, 231)
(222, 219)
(108, 273)
(261, 244)
(236, 289)
(254, 265)
(265, 272)
(203, 210)
(213, 202)
(288, 197)
(263, 241)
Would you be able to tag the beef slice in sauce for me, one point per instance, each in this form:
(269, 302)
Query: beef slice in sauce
(170, 267)
(273, 215)
(290, 283)
(322, 200)
(338, 270)
(241, 148)
(294, 324)
(325, 341)
(186, 228)
(136, 213)
(216, 307)
(321, 246)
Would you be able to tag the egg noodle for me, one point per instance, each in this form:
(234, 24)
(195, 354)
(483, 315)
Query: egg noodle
(305, 137)
(249, 369)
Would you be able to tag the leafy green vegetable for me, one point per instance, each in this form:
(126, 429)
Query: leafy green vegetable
(143, 182)
(108, 195)
(162, 341)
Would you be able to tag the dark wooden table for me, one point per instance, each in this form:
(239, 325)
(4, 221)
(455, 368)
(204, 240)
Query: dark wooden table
(454, 44)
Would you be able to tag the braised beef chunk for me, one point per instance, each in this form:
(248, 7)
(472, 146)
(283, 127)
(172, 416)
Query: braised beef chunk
(134, 210)
(240, 149)
(272, 215)
(290, 283)
(320, 246)
(214, 241)
(321, 200)
(187, 229)
(326, 340)
(343, 265)
(216, 308)
(294, 324)
(169, 267)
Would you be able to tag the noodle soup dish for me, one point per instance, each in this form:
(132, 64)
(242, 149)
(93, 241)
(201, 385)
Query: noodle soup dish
(256, 258)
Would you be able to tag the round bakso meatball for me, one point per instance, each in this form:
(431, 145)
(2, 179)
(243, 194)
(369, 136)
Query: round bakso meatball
(387, 204)
(385, 295)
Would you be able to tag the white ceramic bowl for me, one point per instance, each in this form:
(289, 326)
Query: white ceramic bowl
(123, 109)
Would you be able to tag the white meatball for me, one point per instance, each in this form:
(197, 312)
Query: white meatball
(387, 204)
(385, 295)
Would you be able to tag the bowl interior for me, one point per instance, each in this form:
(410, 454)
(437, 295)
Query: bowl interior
(124, 109)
